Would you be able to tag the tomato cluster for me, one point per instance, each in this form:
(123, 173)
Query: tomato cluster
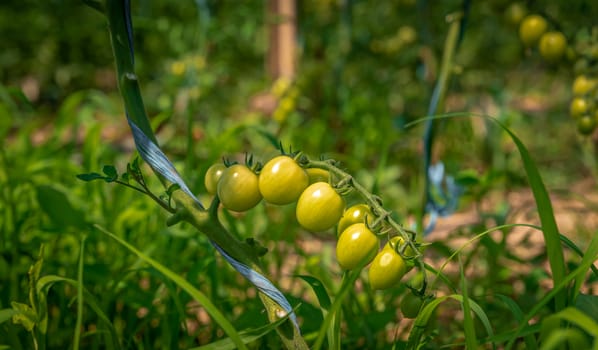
(358, 246)
(583, 107)
(533, 32)
(552, 45)
(320, 206)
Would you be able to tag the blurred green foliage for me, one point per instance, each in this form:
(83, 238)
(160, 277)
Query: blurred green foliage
(365, 71)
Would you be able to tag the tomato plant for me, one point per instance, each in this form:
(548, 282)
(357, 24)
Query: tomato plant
(356, 247)
(319, 207)
(282, 180)
(238, 188)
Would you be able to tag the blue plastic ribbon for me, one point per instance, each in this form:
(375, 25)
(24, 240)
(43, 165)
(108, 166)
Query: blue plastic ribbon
(261, 283)
(448, 191)
(154, 156)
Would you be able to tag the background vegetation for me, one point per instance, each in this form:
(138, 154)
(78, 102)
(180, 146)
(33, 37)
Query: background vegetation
(365, 72)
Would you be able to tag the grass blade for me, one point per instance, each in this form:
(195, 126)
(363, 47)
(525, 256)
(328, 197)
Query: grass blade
(77, 336)
(470, 336)
(546, 214)
(197, 295)
(334, 309)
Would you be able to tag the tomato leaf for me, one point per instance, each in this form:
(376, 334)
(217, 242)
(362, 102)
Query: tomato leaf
(318, 287)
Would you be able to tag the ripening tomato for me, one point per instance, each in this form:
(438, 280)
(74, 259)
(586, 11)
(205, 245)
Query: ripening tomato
(212, 177)
(353, 215)
(552, 46)
(579, 106)
(531, 29)
(317, 175)
(398, 240)
(319, 207)
(356, 247)
(282, 180)
(238, 188)
(582, 85)
(387, 269)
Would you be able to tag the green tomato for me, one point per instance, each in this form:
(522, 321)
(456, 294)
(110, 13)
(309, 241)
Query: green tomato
(317, 175)
(515, 13)
(212, 177)
(282, 180)
(238, 188)
(354, 215)
(553, 46)
(410, 305)
(319, 207)
(387, 269)
(531, 29)
(356, 247)
(586, 125)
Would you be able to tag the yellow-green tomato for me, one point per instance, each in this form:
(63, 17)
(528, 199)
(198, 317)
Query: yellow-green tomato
(317, 175)
(282, 180)
(395, 243)
(319, 207)
(238, 188)
(353, 215)
(387, 269)
(552, 46)
(531, 29)
(583, 85)
(212, 177)
(356, 247)
(579, 106)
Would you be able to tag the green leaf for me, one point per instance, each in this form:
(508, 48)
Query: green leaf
(90, 177)
(318, 287)
(24, 315)
(58, 207)
(195, 293)
(588, 304)
(111, 173)
(7, 314)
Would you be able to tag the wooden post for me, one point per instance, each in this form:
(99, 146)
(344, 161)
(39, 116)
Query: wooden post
(281, 60)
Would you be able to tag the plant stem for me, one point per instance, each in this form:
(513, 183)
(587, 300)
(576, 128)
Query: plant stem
(206, 222)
